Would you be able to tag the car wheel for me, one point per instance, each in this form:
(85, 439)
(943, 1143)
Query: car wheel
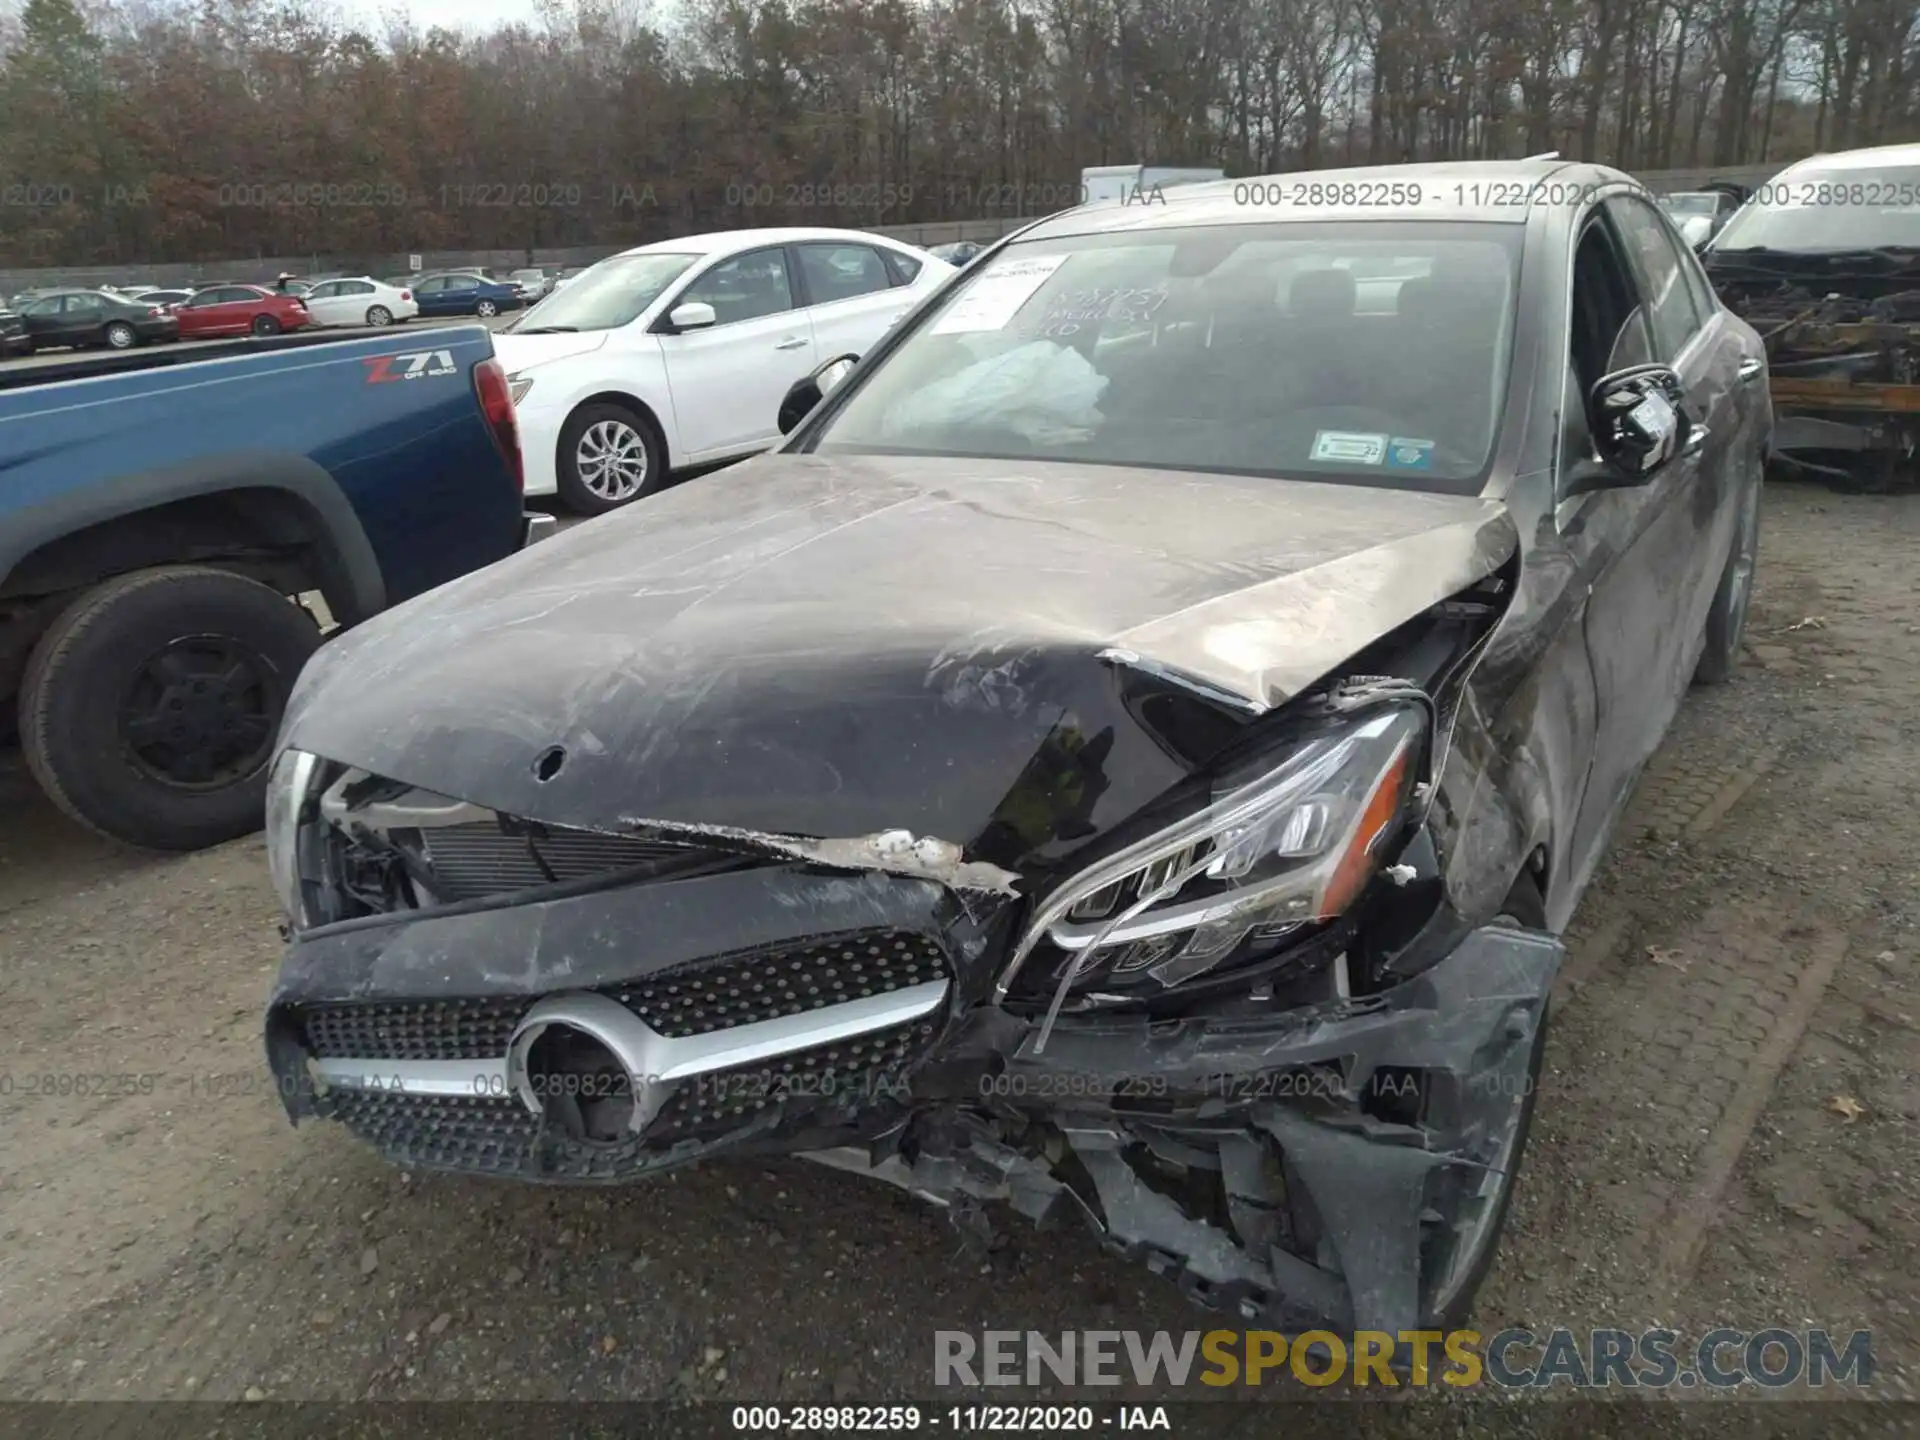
(486, 309)
(1727, 620)
(150, 706)
(121, 336)
(1465, 1268)
(265, 325)
(379, 315)
(609, 457)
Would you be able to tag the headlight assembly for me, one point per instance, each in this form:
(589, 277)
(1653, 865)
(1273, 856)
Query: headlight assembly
(518, 386)
(290, 788)
(1292, 846)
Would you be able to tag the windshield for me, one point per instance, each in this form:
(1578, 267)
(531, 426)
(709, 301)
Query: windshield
(1815, 210)
(1365, 351)
(607, 295)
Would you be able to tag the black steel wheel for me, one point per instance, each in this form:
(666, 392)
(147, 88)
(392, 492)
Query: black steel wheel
(151, 705)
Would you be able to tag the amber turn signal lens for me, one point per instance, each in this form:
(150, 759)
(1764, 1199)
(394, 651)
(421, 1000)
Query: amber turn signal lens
(1376, 819)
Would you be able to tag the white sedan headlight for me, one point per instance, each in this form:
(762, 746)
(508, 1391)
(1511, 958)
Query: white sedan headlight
(290, 789)
(1292, 846)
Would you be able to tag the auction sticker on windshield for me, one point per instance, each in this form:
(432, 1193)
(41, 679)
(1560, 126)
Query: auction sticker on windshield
(992, 300)
(1348, 447)
(1404, 454)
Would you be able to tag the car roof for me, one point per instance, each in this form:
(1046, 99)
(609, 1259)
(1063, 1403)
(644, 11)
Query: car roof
(1227, 202)
(717, 241)
(1872, 158)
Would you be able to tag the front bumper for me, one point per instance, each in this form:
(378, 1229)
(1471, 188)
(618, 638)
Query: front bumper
(540, 426)
(1346, 1146)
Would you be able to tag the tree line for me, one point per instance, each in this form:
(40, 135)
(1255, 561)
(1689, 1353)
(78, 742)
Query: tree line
(136, 131)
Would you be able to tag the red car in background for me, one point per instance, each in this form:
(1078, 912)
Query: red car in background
(239, 310)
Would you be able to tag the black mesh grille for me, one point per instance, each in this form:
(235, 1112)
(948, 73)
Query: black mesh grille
(491, 1135)
(691, 1000)
(825, 1086)
(426, 1030)
(742, 989)
(478, 859)
(849, 1075)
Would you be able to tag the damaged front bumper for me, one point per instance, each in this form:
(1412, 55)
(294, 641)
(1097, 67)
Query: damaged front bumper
(1340, 1163)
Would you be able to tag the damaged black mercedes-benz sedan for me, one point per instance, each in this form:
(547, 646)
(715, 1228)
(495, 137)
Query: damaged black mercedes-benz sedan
(1128, 755)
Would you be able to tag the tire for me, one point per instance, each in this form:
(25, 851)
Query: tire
(149, 708)
(379, 315)
(486, 309)
(1727, 620)
(265, 325)
(121, 336)
(1525, 906)
(635, 459)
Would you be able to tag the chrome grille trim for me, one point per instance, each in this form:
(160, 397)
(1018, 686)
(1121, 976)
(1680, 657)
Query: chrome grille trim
(662, 1057)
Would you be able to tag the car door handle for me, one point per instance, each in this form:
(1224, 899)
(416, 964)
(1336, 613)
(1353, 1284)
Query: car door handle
(792, 342)
(1751, 369)
(1696, 441)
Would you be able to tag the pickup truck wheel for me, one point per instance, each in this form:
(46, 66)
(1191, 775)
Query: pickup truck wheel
(1727, 620)
(120, 336)
(609, 457)
(150, 706)
(265, 325)
(379, 315)
(486, 309)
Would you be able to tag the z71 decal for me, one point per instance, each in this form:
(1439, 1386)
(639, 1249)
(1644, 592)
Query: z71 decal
(412, 365)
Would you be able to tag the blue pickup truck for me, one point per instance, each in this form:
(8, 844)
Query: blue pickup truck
(163, 515)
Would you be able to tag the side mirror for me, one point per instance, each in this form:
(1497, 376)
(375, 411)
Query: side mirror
(810, 390)
(694, 315)
(1640, 426)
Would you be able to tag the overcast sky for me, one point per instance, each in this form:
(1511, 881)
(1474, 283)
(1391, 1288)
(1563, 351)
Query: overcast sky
(452, 14)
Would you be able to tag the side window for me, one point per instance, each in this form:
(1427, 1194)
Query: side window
(1662, 264)
(355, 287)
(1705, 302)
(1609, 326)
(44, 307)
(904, 267)
(841, 272)
(85, 304)
(324, 292)
(464, 282)
(745, 287)
(430, 287)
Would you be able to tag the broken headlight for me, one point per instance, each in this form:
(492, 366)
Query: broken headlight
(290, 790)
(1289, 846)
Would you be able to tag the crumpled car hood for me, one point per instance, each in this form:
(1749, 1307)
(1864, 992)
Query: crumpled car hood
(1009, 656)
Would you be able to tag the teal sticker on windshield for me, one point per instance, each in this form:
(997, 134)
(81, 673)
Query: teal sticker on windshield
(1405, 454)
(1348, 447)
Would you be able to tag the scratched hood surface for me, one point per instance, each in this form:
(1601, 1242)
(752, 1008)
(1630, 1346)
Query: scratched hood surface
(837, 646)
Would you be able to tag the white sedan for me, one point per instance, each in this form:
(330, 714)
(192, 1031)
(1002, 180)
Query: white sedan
(679, 353)
(360, 301)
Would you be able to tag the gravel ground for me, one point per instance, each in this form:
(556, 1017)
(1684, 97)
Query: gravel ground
(1726, 1136)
